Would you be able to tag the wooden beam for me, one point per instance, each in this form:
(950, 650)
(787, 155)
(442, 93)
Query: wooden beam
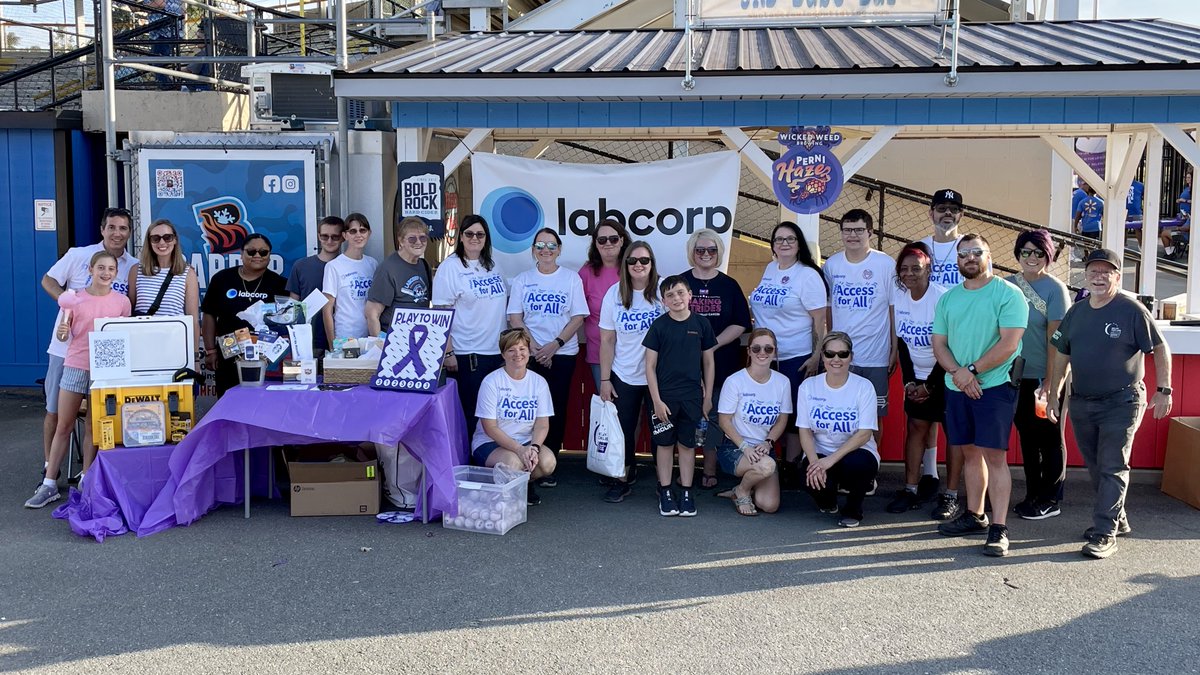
(464, 149)
(1080, 167)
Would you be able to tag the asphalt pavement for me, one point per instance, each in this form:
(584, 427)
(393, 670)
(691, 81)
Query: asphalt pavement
(586, 586)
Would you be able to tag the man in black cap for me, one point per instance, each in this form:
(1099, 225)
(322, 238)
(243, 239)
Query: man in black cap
(1113, 331)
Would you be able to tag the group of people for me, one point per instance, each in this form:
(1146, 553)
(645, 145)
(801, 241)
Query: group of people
(976, 353)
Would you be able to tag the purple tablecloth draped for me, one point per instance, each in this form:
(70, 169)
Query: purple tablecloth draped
(430, 426)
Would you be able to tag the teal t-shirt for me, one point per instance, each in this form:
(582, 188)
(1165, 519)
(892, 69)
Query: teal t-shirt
(976, 317)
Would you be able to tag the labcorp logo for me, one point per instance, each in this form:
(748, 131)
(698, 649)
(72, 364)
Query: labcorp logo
(515, 217)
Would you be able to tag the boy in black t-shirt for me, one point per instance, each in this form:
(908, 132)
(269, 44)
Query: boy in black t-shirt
(679, 374)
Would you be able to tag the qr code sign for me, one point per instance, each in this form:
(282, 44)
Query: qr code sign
(110, 353)
(168, 183)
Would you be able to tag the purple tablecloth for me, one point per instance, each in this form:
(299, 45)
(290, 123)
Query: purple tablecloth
(430, 426)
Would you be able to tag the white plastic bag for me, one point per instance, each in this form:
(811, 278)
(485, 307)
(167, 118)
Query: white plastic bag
(401, 475)
(606, 440)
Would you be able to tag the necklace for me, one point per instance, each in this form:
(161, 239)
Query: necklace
(247, 291)
(953, 250)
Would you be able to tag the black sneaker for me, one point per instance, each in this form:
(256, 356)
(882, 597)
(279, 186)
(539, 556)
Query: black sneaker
(948, 508)
(927, 488)
(1123, 529)
(904, 502)
(1100, 546)
(1041, 510)
(548, 481)
(532, 497)
(966, 523)
(870, 491)
(666, 502)
(1025, 509)
(617, 492)
(831, 507)
(687, 505)
(997, 541)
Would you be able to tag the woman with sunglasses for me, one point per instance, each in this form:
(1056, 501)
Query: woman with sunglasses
(548, 300)
(626, 313)
(754, 408)
(230, 291)
(600, 273)
(837, 418)
(469, 283)
(403, 279)
(1041, 440)
(162, 283)
(791, 301)
(924, 387)
(347, 281)
(718, 297)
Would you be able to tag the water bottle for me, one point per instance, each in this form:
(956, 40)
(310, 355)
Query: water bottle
(701, 432)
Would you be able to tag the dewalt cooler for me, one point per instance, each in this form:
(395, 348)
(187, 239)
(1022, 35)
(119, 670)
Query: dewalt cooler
(159, 346)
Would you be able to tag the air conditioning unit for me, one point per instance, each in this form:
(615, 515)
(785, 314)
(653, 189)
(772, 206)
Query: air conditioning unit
(300, 95)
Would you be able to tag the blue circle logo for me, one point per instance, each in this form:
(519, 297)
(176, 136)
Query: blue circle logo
(515, 217)
(231, 293)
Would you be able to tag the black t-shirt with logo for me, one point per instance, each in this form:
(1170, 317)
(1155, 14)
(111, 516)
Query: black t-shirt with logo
(1107, 344)
(680, 345)
(722, 302)
(229, 294)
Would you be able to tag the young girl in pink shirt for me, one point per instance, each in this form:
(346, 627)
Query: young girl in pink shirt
(97, 301)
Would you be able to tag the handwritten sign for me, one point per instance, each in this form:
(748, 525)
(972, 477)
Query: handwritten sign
(808, 177)
(413, 351)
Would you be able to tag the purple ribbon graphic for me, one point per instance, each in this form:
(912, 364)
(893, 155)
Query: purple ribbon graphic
(416, 338)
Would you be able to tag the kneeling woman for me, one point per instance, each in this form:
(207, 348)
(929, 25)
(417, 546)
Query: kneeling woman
(835, 412)
(754, 408)
(514, 412)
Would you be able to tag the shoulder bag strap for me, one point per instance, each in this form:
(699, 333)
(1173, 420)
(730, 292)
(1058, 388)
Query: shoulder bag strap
(162, 290)
(1038, 302)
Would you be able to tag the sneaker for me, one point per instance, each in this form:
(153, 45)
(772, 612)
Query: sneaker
(831, 507)
(966, 523)
(849, 521)
(1025, 509)
(1123, 529)
(997, 541)
(631, 475)
(687, 505)
(1168, 251)
(904, 502)
(532, 497)
(870, 491)
(928, 487)
(948, 508)
(42, 496)
(548, 481)
(1100, 546)
(617, 492)
(666, 502)
(1040, 510)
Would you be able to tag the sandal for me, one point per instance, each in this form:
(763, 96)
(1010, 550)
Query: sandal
(727, 494)
(745, 506)
(709, 481)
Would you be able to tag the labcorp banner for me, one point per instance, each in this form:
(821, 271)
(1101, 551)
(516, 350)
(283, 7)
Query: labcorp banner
(662, 203)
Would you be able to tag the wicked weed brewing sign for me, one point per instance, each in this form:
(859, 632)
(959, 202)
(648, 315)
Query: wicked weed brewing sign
(807, 179)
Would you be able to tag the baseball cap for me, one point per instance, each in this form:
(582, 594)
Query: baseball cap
(946, 196)
(1103, 255)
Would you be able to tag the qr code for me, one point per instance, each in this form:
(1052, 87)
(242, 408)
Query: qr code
(109, 353)
(168, 183)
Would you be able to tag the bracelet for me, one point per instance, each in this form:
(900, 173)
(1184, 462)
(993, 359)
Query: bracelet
(450, 353)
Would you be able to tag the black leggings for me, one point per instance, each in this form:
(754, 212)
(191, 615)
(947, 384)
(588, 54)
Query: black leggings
(632, 400)
(558, 376)
(472, 368)
(1041, 448)
(854, 471)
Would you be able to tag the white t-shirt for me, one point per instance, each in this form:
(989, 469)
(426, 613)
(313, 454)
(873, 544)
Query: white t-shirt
(914, 325)
(547, 302)
(782, 302)
(514, 404)
(860, 295)
(348, 281)
(835, 414)
(71, 272)
(629, 357)
(945, 262)
(480, 302)
(755, 407)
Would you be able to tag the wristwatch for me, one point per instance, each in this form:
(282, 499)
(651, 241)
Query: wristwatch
(560, 341)
(971, 369)
(1164, 390)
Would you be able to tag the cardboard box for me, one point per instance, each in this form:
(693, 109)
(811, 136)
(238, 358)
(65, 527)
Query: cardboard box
(1181, 468)
(334, 488)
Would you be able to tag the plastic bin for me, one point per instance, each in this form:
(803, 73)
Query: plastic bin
(492, 501)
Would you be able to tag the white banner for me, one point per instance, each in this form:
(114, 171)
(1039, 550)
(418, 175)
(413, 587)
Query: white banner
(662, 203)
(816, 11)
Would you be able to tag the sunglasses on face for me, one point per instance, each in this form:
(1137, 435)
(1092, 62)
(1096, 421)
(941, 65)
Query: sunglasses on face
(609, 240)
(836, 355)
(257, 252)
(330, 237)
(705, 250)
(854, 230)
(1035, 252)
(955, 210)
(977, 252)
(784, 240)
(640, 260)
(120, 213)
(359, 231)
(546, 246)
(417, 240)
(762, 349)
(162, 238)
(474, 234)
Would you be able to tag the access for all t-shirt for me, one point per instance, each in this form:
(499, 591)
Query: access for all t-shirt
(860, 297)
(1108, 344)
(971, 321)
(514, 404)
(755, 407)
(480, 301)
(945, 262)
(782, 302)
(348, 281)
(630, 325)
(399, 283)
(721, 301)
(914, 325)
(680, 346)
(308, 275)
(834, 415)
(71, 272)
(594, 288)
(547, 302)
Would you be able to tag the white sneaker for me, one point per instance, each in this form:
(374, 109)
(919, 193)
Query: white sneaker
(43, 495)
(1168, 251)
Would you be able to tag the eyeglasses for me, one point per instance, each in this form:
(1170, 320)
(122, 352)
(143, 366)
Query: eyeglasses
(546, 246)
(854, 230)
(1101, 272)
(784, 240)
(163, 238)
(762, 349)
(257, 252)
(977, 252)
(361, 230)
(417, 240)
(836, 355)
(330, 237)
(641, 260)
(955, 210)
(474, 234)
(608, 240)
(1035, 252)
(705, 250)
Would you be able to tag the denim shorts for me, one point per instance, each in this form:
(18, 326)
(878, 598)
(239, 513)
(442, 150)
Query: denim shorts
(75, 380)
(728, 456)
(985, 422)
(479, 455)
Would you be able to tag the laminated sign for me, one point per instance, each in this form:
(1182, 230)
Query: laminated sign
(807, 179)
(413, 352)
(420, 192)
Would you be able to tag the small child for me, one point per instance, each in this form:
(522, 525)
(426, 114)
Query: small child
(679, 374)
(97, 301)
